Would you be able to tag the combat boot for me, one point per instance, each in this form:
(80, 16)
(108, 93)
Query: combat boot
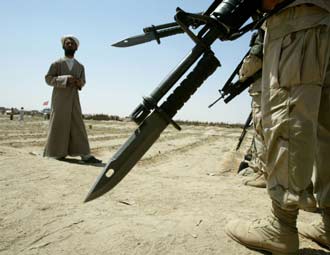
(259, 182)
(276, 234)
(307, 202)
(318, 232)
(248, 171)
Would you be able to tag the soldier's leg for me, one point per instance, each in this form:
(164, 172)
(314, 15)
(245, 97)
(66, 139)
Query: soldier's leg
(291, 146)
(291, 106)
(259, 138)
(253, 162)
(320, 231)
(322, 170)
(259, 181)
(247, 165)
(290, 132)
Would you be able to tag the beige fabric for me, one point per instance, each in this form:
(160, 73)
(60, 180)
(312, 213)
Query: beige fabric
(305, 16)
(67, 134)
(251, 64)
(295, 106)
(321, 3)
(258, 146)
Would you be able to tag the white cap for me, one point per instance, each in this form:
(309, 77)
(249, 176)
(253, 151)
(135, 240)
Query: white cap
(70, 36)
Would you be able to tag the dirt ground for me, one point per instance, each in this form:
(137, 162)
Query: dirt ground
(176, 200)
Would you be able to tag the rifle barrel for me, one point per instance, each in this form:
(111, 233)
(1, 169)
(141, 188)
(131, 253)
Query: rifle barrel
(246, 125)
(153, 28)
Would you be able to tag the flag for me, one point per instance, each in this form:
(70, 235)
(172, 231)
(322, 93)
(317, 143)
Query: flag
(45, 103)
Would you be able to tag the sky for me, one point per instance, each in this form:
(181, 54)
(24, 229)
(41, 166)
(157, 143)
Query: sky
(117, 78)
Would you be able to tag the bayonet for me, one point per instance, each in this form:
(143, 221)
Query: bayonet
(149, 35)
(160, 31)
(151, 128)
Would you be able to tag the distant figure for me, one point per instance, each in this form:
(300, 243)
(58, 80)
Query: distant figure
(11, 115)
(67, 133)
(47, 116)
(21, 114)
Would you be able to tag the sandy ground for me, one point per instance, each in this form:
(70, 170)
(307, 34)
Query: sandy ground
(176, 200)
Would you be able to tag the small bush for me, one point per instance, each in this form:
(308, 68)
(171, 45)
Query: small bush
(201, 123)
(101, 117)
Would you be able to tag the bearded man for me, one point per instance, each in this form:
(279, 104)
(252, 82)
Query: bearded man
(67, 134)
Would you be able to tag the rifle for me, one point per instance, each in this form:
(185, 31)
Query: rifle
(232, 89)
(223, 19)
(246, 126)
(151, 33)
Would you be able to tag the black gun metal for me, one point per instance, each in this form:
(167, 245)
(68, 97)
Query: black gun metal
(153, 119)
(244, 131)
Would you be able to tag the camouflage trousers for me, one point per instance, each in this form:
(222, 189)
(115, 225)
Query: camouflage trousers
(295, 106)
(257, 148)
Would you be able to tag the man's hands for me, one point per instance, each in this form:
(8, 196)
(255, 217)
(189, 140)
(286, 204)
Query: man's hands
(74, 83)
(268, 5)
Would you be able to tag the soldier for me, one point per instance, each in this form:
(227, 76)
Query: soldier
(251, 65)
(67, 133)
(296, 127)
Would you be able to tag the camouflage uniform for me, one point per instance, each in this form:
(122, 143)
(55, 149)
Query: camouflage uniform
(295, 102)
(255, 93)
(296, 128)
(251, 65)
